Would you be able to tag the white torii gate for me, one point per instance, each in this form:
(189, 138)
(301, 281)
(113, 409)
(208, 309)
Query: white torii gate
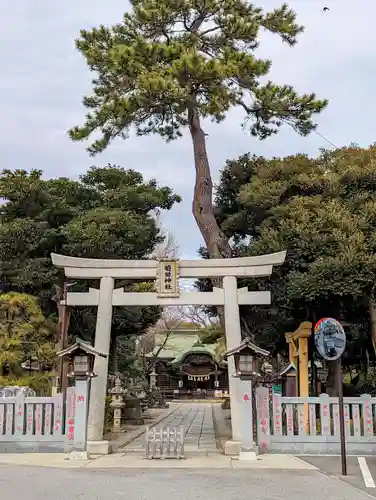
(167, 274)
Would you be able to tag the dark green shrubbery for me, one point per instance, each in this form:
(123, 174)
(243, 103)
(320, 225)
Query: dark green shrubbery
(226, 404)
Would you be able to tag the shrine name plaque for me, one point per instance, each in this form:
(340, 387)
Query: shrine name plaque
(167, 282)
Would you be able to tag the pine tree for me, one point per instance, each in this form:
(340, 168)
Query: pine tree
(171, 65)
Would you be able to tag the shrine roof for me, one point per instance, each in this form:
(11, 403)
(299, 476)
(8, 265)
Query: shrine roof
(196, 349)
(177, 342)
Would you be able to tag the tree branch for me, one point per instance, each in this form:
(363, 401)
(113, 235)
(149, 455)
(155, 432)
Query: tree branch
(210, 30)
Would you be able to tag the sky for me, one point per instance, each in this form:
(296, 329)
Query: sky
(43, 80)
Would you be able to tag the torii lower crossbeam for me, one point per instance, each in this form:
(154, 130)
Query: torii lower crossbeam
(127, 299)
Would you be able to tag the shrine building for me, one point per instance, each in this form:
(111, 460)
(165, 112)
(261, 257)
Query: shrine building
(186, 368)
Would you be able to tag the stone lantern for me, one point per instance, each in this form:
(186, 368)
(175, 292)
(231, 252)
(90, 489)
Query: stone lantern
(117, 403)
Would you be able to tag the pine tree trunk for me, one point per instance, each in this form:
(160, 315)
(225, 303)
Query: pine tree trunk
(202, 207)
(216, 242)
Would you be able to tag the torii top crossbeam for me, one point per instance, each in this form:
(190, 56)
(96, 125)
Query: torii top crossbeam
(76, 267)
(167, 273)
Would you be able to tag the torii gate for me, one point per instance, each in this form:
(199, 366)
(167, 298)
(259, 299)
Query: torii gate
(167, 274)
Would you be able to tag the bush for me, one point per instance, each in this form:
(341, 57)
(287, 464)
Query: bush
(155, 399)
(226, 404)
(41, 383)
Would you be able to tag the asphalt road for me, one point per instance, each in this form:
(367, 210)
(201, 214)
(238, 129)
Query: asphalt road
(361, 471)
(27, 483)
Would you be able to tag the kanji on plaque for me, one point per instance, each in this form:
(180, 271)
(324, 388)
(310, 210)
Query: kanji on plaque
(81, 398)
(168, 279)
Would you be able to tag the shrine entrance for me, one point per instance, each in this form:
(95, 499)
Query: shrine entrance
(166, 274)
(199, 374)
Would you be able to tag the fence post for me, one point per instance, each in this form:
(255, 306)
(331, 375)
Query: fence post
(336, 424)
(263, 418)
(38, 416)
(356, 420)
(303, 419)
(312, 419)
(277, 415)
(19, 415)
(58, 415)
(367, 415)
(346, 412)
(324, 415)
(2, 417)
(30, 418)
(9, 419)
(47, 419)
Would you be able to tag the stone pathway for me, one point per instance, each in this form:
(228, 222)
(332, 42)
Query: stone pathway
(197, 420)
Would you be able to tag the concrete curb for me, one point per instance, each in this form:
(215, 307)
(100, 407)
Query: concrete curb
(141, 431)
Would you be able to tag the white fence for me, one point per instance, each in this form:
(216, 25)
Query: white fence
(167, 442)
(311, 425)
(37, 423)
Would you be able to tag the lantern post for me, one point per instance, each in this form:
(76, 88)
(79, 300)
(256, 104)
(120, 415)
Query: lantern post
(247, 360)
(81, 356)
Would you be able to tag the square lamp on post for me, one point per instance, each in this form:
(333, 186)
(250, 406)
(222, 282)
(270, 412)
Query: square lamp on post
(82, 365)
(82, 356)
(247, 359)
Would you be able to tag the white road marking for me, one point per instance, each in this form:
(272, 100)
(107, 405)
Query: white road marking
(367, 476)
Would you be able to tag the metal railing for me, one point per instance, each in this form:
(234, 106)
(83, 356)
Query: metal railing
(164, 443)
